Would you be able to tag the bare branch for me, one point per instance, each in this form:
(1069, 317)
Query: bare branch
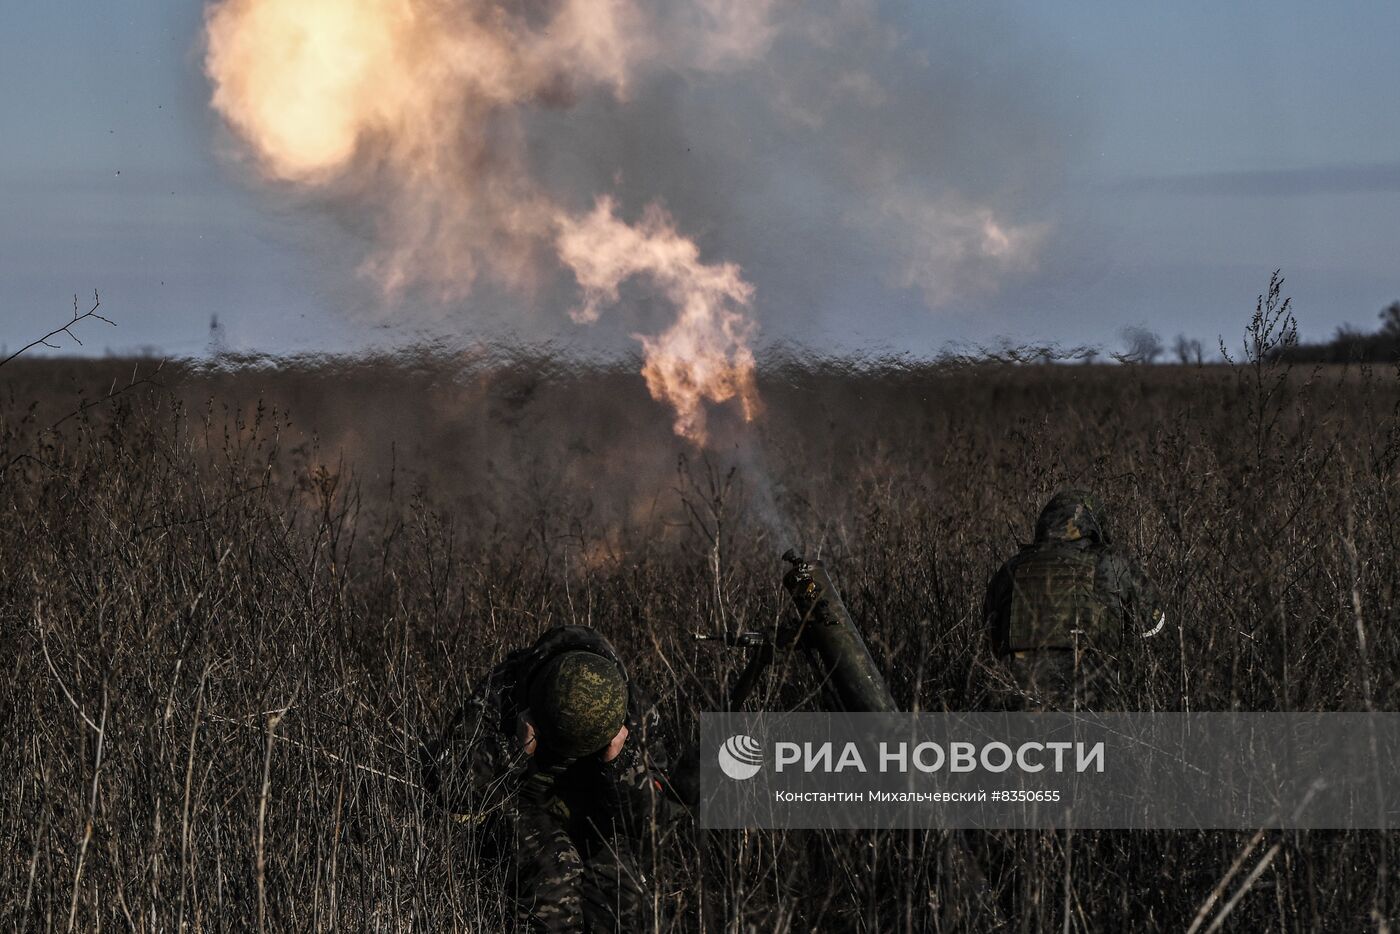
(78, 318)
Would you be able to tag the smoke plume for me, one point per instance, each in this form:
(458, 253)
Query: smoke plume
(543, 145)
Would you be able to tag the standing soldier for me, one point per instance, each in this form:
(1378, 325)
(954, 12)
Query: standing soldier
(554, 757)
(1066, 612)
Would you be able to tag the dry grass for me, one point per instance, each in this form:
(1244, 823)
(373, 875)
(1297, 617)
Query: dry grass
(227, 627)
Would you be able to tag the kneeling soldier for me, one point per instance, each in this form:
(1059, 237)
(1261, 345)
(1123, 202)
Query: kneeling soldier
(554, 756)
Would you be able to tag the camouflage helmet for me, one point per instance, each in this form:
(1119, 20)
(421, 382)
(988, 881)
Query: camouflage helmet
(1071, 515)
(578, 701)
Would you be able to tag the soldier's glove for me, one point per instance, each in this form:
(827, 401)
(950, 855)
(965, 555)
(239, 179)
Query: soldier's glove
(623, 765)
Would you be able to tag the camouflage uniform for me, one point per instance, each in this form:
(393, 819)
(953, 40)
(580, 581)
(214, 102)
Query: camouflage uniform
(1068, 611)
(571, 829)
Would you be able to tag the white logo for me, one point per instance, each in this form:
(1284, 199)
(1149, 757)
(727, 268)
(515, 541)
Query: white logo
(741, 757)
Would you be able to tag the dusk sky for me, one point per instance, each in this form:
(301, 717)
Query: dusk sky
(1165, 158)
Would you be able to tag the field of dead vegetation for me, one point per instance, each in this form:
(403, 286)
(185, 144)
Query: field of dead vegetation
(234, 601)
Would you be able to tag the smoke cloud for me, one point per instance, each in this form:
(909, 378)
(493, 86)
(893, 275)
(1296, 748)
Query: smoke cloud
(556, 150)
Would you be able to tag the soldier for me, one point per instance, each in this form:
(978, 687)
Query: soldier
(555, 758)
(1067, 610)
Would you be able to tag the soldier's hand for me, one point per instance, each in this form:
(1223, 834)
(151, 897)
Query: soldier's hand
(614, 747)
(525, 729)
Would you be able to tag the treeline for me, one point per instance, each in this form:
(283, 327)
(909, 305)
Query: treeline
(1352, 345)
(1349, 344)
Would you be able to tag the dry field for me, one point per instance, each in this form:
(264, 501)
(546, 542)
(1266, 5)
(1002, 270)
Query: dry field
(233, 603)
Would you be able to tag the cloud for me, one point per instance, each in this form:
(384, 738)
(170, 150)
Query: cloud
(950, 249)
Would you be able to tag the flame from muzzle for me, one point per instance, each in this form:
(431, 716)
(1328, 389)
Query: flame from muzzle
(705, 355)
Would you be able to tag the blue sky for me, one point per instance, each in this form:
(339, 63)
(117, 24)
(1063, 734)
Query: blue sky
(1197, 146)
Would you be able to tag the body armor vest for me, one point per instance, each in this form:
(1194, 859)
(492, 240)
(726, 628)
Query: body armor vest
(1054, 599)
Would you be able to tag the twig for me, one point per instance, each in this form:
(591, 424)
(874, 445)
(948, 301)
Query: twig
(262, 821)
(321, 752)
(189, 781)
(65, 328)
(1219, 889)
(43, 644)
(92, 815)
(1254, 874)
(1249, 881)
